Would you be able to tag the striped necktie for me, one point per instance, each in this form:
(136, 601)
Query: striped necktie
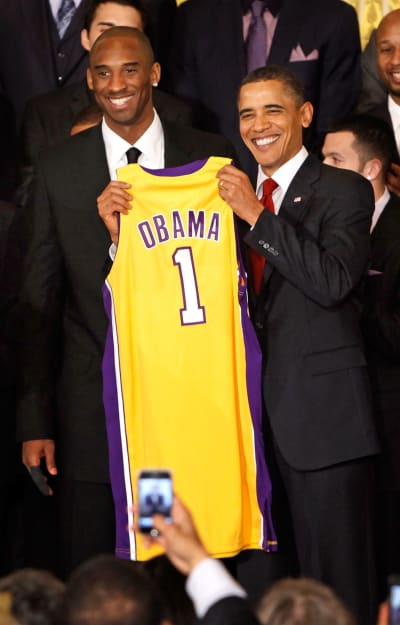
(64, 16)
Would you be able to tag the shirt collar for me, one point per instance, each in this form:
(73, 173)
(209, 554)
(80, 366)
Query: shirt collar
(283, 176)
(151, 144)
(379, 206)
(394, 111)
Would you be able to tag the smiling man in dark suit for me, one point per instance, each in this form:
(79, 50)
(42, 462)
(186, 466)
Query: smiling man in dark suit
(63, 323)
(208, 59)
(316, 391)
(48, 118)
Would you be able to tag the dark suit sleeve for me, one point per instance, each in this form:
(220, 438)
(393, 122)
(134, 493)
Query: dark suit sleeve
(230, 611)
(341, 75)
(39, 317)
(327, 260)
(381, 315)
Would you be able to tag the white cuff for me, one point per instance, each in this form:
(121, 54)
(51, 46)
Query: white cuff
(112, 251)
(210, 582)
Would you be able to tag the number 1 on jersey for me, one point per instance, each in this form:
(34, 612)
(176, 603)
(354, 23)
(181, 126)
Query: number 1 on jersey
(192, 312)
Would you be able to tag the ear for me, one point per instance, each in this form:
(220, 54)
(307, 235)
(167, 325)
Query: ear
(307, 111)
(89, 78)
(372, 169)
(85, 39)
(155, 74)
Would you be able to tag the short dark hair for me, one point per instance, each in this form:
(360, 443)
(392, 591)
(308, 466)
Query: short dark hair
(302, 602)
(373, 138)
(35, 596)
(124, 31)
(106, 590)
(277, 72)
(134, 4)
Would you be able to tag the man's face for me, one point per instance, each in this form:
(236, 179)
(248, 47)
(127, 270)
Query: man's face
(338, 151)
(271, 123)
(388, 54)
(109, 14)
(121, 75)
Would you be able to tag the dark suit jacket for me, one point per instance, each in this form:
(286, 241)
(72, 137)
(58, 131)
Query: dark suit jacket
(316, 389)
(31, 60)
(230, 611)
(48, 119)
(381, 325)
(63, 323)
(208, 59)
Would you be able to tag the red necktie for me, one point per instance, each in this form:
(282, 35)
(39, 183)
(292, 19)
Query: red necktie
(256, 260)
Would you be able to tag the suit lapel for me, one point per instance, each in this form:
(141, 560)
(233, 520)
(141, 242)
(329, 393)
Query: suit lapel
(175, 153)
(286, 32)
(297, 199)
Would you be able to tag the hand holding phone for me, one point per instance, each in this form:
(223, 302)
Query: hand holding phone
(155, 495)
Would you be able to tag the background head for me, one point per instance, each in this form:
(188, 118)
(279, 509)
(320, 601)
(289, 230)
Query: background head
(104, 14)
(109, 591)
(388, 53)
(272, 115)
(302, 602)
(35, 596)
(361, 143)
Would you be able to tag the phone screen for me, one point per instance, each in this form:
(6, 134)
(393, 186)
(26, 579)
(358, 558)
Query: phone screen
(155, 495)
(395, 601)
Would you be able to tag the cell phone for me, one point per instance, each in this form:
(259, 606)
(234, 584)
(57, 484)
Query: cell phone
(155, 495)
(40, 480)
(394, 599)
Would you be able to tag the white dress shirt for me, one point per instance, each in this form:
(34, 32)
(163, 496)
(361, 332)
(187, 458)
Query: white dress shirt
(379, 206)
(283, 177)
(55, 5)
(394, 111)
(151, 145)
(210, 582)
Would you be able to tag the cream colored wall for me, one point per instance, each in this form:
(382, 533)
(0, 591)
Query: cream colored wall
(370, 13)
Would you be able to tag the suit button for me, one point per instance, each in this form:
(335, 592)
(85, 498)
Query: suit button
(259, 325)
(61, 55)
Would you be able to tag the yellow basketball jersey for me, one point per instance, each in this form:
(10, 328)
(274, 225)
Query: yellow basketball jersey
(182, 367)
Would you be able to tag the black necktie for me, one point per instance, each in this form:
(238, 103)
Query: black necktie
(132, 155)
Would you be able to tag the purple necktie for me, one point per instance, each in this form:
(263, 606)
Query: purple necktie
(64, 16)
(256, 38)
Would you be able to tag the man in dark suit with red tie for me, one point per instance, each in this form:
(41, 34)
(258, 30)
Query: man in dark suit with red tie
(316, 392)
(319, 41)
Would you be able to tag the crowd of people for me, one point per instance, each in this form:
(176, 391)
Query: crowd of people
(235, 145)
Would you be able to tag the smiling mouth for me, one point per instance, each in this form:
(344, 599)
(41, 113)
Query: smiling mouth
(260, 143)
(120, 101)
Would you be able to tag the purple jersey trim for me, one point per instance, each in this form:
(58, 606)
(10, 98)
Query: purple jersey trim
(182, 170)
(110, 399)
(254, 392)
